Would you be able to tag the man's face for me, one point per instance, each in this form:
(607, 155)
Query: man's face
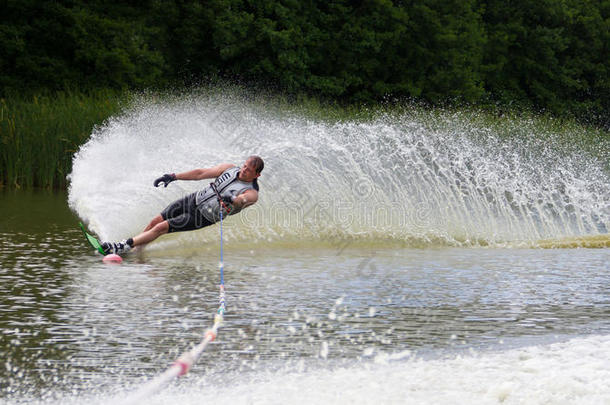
(247, 172)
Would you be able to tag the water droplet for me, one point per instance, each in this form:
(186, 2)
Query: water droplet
(324, 350)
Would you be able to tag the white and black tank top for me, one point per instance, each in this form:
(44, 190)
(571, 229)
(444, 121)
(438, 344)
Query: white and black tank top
(227, 184)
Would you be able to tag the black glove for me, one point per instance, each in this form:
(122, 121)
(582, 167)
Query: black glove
(166, 179)
(228, 199)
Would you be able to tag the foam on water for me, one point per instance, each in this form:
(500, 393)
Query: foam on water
(574, 372)
(415, 177)
(571, 372)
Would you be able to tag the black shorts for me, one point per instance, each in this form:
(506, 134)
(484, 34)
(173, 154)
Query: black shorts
(183, 215)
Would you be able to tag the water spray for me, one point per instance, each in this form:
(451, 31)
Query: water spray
(416, 177)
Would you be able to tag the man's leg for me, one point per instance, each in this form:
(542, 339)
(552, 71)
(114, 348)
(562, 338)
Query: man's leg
(156, 220)
(183, 213)
(151, 232)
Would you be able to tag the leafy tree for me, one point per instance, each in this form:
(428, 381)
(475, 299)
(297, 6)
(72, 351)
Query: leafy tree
(549, 54)
(546, 54)
(68, 44)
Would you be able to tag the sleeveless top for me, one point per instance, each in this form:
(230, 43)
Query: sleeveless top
(227, 184)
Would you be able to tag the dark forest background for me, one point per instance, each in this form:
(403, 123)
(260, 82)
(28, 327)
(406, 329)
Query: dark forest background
(547, 55)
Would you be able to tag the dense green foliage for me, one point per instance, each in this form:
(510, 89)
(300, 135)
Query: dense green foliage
(551, 55)
(73, 44)
(39, 135)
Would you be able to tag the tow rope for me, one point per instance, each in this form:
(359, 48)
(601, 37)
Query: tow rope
(184, 363)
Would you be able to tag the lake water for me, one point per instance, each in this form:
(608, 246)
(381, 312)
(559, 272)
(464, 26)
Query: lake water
(357, 325)
(415, 273)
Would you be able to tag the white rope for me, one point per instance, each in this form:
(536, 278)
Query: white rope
(183, 364)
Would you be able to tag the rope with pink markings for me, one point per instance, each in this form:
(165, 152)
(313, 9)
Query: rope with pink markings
(183, 364)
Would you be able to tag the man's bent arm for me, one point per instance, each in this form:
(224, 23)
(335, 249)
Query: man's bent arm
(245, 199)
(200, 174)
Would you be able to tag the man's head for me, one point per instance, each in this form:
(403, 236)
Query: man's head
(251, 169)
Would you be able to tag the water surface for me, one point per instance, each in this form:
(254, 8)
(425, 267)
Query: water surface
(72, 325)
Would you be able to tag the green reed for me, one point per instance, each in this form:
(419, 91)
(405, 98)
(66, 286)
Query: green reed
(39, 134)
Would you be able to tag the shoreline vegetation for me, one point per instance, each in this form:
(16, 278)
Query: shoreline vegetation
(66, 66)
(40, 134)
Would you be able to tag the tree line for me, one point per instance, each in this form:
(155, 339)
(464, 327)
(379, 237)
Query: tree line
(551, 55)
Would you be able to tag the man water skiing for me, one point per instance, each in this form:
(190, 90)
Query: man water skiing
(233, 190)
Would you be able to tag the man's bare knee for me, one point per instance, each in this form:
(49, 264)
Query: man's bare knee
(156, 220)
(161, 228)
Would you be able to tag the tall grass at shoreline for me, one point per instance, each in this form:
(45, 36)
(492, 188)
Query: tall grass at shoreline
(39, 134)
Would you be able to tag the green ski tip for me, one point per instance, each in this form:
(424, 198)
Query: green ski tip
(92, 240)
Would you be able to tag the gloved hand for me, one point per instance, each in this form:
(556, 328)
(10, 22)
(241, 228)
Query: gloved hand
(228, 199)
(166, 179)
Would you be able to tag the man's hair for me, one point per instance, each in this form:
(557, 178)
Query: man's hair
(259, 165)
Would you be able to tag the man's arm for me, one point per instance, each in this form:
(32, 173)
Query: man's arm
(200, 174)
(245, 199)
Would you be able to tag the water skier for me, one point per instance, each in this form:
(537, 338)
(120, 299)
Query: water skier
(236, 187)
